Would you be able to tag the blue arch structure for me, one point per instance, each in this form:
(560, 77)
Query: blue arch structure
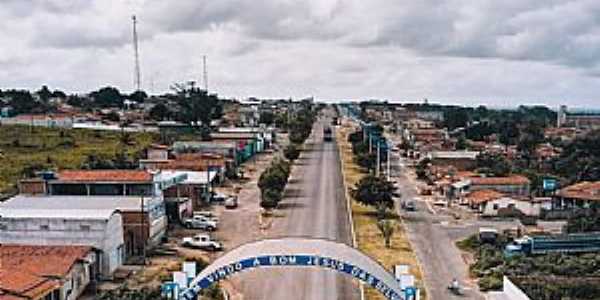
(298, 252)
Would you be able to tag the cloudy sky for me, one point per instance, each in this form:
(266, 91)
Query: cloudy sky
(491, 52)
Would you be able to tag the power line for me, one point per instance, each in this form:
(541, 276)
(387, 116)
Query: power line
(137, 75)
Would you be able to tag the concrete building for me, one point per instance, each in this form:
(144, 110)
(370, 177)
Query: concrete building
(36, 223)
(493, 203)
(579, 119)
(46, 120)
(195, 187)
(515, 185)
(144, 220)
(580, 195)
(460, 160)
(45, 272)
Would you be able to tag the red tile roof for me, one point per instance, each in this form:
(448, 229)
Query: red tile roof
(105, 176)
(510, 180)
(33, 271)
(584, 190)
(482, 196)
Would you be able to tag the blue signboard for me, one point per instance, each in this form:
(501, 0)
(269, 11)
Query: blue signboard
(549, 184)
(169, 290)
(293, 260)
(410, 293)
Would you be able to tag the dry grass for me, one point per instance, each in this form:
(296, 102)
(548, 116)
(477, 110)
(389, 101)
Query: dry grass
(368, 236)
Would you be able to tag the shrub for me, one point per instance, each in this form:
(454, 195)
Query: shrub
(292, 152)
(272, 183)
(491, 282)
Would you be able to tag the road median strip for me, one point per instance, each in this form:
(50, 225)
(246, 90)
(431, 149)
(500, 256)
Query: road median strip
(364, 225)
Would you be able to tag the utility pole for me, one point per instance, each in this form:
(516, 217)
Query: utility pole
(378, 158)
(205, 72)
(137, 76)
(143, 232)
(389, 167)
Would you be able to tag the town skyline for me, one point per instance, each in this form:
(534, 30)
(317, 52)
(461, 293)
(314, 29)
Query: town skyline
(465, 53)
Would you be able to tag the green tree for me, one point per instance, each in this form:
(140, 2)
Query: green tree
(44, 93)
(59, 94)
(461, 143)
(531, 135)
(272, 183)
(21, 101)
(107, 97)
(76, 100)
(580, 159)
(197, 107)
(292, 152)
(374, 191)
(138, 96)
(456, 117)
(160, 112)
(387, 228)
(270, 198)
(495, 164)
(366, 160)
(266, 117)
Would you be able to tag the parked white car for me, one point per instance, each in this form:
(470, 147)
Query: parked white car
(199, 222)
(202, 241)
(231, 202)
(205, 215)
(220, 198)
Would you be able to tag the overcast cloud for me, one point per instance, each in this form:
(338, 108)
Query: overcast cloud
(492, 52)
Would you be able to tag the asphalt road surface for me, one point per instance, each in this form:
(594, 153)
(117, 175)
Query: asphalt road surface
(433, 243)
(314, 206)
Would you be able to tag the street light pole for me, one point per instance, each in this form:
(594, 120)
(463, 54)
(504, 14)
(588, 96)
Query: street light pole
(389, 167)
(143, 232)
(378, 158)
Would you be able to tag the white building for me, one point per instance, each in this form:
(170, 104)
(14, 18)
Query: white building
(101, 229)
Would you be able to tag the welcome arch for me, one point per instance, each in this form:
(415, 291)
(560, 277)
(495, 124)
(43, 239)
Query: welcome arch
(298, 252)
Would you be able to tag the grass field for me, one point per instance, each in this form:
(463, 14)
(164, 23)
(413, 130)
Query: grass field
(23, 148)
(368, 236)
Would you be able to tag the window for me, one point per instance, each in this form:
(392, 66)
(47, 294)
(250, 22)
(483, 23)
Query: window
(85, 227)
(495, 206)
(44, 227)
(3, 226)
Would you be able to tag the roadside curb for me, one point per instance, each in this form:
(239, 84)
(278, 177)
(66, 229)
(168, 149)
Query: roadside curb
(348, 206)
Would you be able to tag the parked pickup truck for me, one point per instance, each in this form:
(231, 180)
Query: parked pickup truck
(200, 222)
(202, 241)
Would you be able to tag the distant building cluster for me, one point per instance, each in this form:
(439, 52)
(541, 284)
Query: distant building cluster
(579, 120)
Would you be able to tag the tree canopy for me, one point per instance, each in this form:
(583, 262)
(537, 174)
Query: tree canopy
(580, 159)
(107, 97)
(493, 164)
(374, 191)
(196, 106)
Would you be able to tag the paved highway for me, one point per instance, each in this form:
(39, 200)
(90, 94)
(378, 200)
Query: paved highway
(314, 206)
